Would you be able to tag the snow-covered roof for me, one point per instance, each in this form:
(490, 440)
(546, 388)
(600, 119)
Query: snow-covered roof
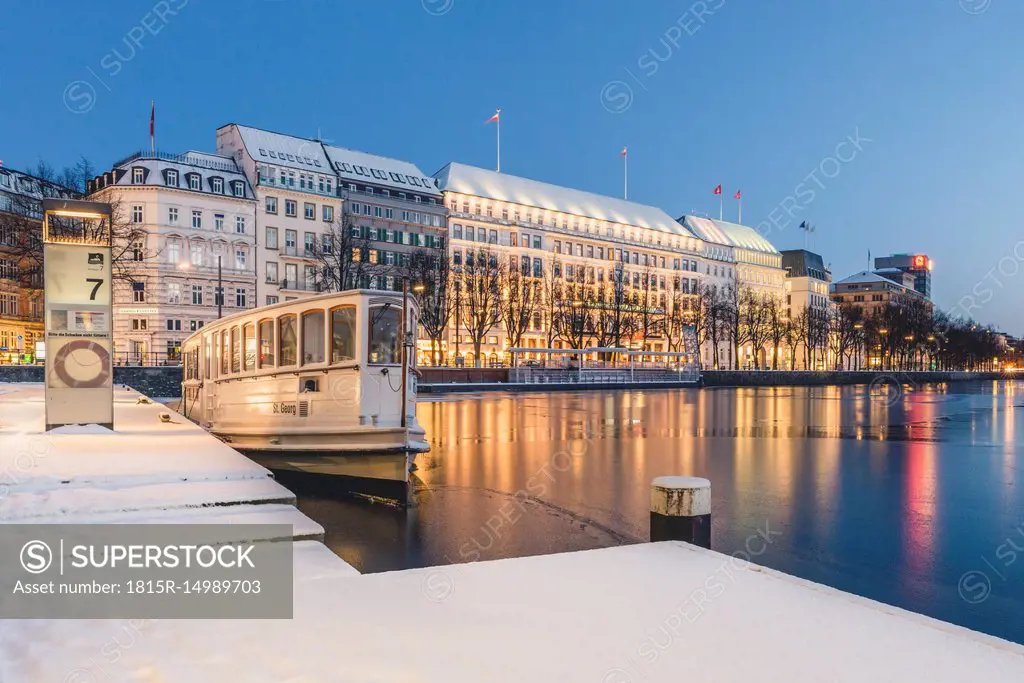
(284, 150)
(731, 234)
(482, 182)
(354, 166)
(156, 164)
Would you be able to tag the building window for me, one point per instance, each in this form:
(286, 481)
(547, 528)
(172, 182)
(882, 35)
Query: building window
(241, 255)
(328, 213)
(240, 225)
(238, 187)
(272, 272)
(197, 295)
(272, 299)
(173, 251)
(389, 214)
(172, 178)
(218, 185)
(172, 215)
(174, 293)
(139, 292)
(218, 222)
(271, 204)
(194, 182)
(290, 208)
(290, 237)
(138, 323)
(240, 298)
(137, 213)
(310, 244)
(138, 251)
(271, 238)
(138, 176)
(173, 325)
(309, 210)
(197, 219)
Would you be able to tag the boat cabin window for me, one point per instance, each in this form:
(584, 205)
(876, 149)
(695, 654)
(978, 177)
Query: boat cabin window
(384, 335)
(287, 332)
(343, 334)
(266, 343)
(312, 337)
(249, 344)
(236, 349)
(225, 352)
(207, 353)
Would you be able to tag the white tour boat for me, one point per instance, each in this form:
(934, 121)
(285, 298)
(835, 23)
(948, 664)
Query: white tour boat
(313, 384)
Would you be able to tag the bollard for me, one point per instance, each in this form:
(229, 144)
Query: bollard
(681, 510)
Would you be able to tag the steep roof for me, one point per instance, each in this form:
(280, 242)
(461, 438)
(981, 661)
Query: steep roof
(352, 165)
(471, 180)
(731, 234)
(284, 150)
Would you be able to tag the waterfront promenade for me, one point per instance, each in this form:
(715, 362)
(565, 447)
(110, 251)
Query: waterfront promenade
(645, 612)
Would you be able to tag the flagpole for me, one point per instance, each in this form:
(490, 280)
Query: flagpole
(499, 139)
(625, 173)
(739, 218)
(721, 206)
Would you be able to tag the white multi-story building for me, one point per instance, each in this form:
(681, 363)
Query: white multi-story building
(194, 219)
(807, 296)
(307, 191)
(539, 228)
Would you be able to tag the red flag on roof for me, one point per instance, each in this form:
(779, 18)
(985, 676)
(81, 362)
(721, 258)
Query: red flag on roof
(496, 117)
(718, 190)
(739, 194)
(623, 152)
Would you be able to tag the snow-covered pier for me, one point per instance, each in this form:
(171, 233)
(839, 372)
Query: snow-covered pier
(147, 471)
(651, 612)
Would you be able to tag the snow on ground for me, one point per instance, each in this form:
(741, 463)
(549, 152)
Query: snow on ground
(632, 614)
(144, 464)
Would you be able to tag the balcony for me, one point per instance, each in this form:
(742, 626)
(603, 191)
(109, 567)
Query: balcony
(300, 286)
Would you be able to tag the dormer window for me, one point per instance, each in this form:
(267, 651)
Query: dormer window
(194, 182)
(238, 188)
(217, 184)
(172, 178)
(138, 175)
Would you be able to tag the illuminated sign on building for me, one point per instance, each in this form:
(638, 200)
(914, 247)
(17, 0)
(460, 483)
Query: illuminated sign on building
(921, 262)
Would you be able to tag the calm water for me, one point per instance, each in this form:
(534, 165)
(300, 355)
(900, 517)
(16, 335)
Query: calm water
(915, 500)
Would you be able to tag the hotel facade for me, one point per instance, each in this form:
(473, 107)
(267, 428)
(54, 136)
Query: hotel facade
(539, 227)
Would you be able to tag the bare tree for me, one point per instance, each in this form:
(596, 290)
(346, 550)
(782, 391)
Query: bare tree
(574, 319)
(755, 321)
(343, 257)
(778, 327)
(431, 269)
(520, 297)
(551, 292)
(480, 281)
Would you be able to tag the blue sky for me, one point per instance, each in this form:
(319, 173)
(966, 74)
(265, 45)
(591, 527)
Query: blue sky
(755, 95)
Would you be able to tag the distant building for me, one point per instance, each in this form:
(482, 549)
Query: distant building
(807, 281)
(917, 266)
(871, 292)
(21, 259)
(191, 215)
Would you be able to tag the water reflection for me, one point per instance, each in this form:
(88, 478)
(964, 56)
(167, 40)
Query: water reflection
(890, 497)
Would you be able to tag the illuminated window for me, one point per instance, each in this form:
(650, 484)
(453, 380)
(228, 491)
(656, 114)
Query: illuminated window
(266, 343)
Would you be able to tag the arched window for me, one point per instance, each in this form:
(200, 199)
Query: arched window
(343, 334)
(236, 349)
(225, 351)
(266, 356)
(287, 334)
(249, 344)
(312, 337)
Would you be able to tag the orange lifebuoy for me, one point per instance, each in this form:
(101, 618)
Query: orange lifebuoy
(95, 382)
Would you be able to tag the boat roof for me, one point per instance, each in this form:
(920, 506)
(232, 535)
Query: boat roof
(302, 302)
